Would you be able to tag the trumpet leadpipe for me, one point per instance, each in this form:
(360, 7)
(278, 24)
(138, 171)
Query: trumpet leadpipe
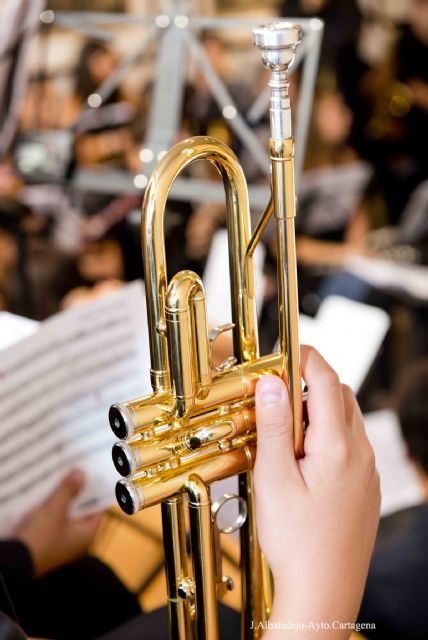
(277, 44)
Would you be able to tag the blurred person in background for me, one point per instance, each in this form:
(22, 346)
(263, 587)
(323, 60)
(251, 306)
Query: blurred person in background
(49, 582)
(392, 109)
(107, 141)
(342, 21)
(396, 593)
(329, 148)
(16, 293)
(339, 208)
(34, 274)
(203, 116)
(109, 255)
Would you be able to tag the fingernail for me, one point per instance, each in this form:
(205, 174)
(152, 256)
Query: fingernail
(270, 390)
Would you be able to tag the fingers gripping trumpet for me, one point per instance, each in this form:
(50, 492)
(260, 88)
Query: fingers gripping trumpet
(198, 424)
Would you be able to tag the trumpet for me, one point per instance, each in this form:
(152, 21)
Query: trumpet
(198, 425)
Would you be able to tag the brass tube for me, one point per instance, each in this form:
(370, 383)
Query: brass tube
(133, 496)
(250, 565)
(133, 416)
(189, 348)
(282, 153)
(197, 427)
(174, 539)
(155, 197)
(130, 458)
(202, 546)
(227, 388)
(260, 227)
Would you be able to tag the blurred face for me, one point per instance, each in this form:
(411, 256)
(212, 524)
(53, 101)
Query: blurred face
(418, 19)
(8, 252)
(101, 65)
(312, 6)
(101, 261)
(214, 50)
(333, 119)
(10, 184)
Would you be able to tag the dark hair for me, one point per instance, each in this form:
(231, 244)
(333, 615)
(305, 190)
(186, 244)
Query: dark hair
(412, 408)
(12, 218)
(85, 84)
(12, 215)
(206, 35)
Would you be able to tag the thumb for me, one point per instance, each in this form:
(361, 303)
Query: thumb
(275, 459)
(87, 526)
(69, 487)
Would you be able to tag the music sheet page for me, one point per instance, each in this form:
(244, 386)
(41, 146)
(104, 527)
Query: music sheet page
(56, 387)
(348, 334)
(399, 483)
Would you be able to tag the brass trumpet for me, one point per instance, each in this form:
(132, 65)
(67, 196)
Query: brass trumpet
(198, 425)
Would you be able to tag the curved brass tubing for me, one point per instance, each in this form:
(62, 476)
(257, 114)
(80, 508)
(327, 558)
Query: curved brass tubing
(242, 270)
(198, 425)
(189, 347)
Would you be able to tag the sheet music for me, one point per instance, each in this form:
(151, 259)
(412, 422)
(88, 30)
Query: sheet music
(412, 279)
(56, 387)
(15, 328)
(400, 487)
(217, 283)
(348, 334)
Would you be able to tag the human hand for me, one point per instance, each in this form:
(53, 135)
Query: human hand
(317, 517)
(51, 536)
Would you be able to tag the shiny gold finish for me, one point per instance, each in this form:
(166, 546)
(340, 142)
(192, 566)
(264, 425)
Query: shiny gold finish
(281, 155)
(198, 425)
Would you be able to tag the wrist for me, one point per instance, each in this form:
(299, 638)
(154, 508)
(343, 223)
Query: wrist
(320, 616)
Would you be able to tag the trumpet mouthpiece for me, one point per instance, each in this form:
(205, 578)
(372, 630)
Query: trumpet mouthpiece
(277, 42)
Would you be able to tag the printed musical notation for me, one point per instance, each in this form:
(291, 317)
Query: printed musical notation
(56, 387)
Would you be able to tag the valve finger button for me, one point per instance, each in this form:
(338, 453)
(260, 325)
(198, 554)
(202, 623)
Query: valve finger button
(123, 460)
(127, 498)
(118, 423)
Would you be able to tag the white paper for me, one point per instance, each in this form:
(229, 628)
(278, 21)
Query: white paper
(411, 279)
(55, 391)
(400, 486)
(15, 328)
(217, 283)
(348, 334)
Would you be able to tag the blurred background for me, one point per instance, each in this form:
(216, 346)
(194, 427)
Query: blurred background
(89, 104)
(78, 123)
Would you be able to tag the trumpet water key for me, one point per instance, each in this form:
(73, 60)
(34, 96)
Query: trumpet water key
(198, 425)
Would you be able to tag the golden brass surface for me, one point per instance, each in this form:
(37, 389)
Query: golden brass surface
(198, 425)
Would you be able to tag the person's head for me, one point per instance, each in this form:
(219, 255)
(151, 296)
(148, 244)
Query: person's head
(332, 117)
(418, 19)
(312, 7)
(412, 406)
(13, 215)
(96, 63)
(10, 183)
(214, 48)
(114, 256)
